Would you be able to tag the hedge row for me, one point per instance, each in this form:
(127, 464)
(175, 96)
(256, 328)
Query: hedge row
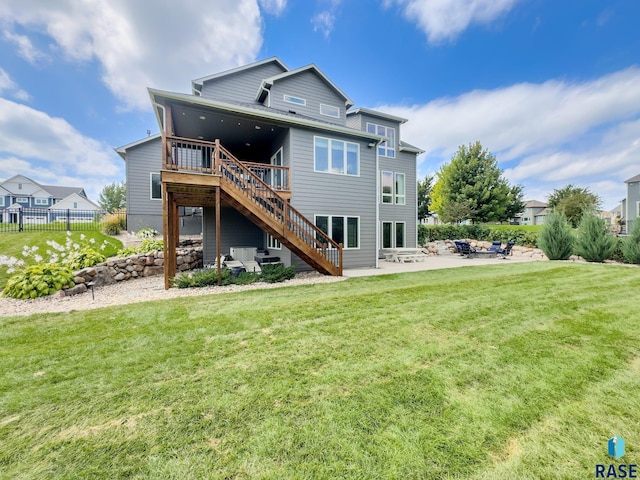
(428, 233)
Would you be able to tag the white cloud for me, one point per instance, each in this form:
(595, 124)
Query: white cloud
(25, 48)
(324, 20)
(273, 7)
(8, 85)
(139, 46)
(544, 135)
(443, 20)
(58, 150)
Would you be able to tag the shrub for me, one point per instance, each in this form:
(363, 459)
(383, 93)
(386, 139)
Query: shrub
(113, 223)
(83, 257)
(146, 232)
(38, 281)
(146, 246)
(477, 232)
(209, 276)
(618, 255)
(276, 272)
(594, 242)
(556, 237)
(631, 245)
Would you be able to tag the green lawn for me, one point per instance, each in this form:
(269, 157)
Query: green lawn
(11, 245)
(524, 228)
(519, 370)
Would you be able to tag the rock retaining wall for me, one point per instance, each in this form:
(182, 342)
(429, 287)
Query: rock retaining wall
(446, 247)
(129, 268)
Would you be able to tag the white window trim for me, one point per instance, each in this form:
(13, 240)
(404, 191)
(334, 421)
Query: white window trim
(395, 193)
(330, 140)
(387, 195)
(1, 201)
(637, 209)
(330, 217)
(271, 238)
(41, 201)
(294, 100)
(151, 197)
(385, 145)
(22, 200)
(331, 107)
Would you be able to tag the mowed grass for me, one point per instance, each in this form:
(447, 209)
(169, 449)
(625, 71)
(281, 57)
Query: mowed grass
(517, 370)
(11, 245)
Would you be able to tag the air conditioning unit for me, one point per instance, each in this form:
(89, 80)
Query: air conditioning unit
(243, 254)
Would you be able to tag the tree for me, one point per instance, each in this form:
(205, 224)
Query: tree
(556, 237)
(573, 202)
(472, 182)
(595, 242)
(424, 197)
(113, 197)
(631, 245)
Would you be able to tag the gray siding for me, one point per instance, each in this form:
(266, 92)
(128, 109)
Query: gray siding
(142, 211)
(240, 86)
(354, 121)
(403, 163)
(633, 200)
(315, 193)
(235, 231)
(314, 90)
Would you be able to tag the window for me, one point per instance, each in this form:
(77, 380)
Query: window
(1, 203)
(273, 243)
(295, 100)
(156, 187)
(393, 188)
(388, 147)
(387, 187)
(400, 235)
(22, 200)
(42, 201)
(75, 204)
(329, 110)
(19, 186)
(394, 237)
(345, 230)
(400, 190)
(336, 156)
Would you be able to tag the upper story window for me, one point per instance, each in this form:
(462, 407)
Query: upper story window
(156, 187)
(336, 156)
(19, 186)
(388, 147)
(75, 204)
(1, 201)
(329, 110)
(42, 201)
(22, 200)
(393, 188)
(295, 100)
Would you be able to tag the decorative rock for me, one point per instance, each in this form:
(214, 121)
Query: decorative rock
(79, 279)
(120, 276)
(80, 288)
(158, 262)
(149, 271)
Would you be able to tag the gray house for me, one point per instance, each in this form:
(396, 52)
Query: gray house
(630, 207)
(534, 213)
(279, 161)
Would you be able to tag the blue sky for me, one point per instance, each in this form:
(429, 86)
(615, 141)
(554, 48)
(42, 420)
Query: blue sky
(552, 88)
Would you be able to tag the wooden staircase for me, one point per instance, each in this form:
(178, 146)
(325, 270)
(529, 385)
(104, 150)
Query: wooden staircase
(259, 202)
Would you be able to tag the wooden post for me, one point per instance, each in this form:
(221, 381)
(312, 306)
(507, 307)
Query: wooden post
(340, 261)
(216, 157)
(165, 235)
(218, 248)
(171, 234)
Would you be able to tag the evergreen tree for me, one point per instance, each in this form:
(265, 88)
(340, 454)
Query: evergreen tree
(631, 245)
(556, 237)
(594, 242)
(424, 197)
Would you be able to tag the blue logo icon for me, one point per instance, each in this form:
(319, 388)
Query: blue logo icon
(616, 447)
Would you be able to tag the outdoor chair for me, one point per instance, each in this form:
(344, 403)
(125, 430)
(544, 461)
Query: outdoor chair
(503, 252)
(466, 250)
(495, 246)
(458, 247)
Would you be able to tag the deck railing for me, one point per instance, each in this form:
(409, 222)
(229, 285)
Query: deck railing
(184, 154)
(253, 181)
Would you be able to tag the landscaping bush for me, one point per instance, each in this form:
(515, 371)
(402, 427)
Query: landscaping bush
(477, 232)
(618, 255)
(146, 232)
(38, 281)
(556, 238)
(594, 242)
(84, 257)
(631, 245)
(276, 272)
(209, 276)
(113, 224)
(146, 246)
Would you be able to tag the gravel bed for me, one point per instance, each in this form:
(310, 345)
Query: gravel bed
(138, 290)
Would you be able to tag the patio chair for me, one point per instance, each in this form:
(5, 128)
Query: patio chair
(458, 247)
(503, 252)
(466, 250)
(495, 246)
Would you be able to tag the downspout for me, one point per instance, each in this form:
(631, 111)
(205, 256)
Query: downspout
(378, 226)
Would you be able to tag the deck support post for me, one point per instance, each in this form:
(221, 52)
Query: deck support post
(170, 234)
(218, 248)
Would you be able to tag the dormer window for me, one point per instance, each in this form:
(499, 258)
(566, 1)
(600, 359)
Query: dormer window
(295, 100)
(329, 110)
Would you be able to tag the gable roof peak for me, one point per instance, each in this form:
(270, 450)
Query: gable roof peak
(196, 85)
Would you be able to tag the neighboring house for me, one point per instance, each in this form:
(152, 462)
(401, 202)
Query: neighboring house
(297, 171)
(27, 201)
(630, 207)
(534, 213)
